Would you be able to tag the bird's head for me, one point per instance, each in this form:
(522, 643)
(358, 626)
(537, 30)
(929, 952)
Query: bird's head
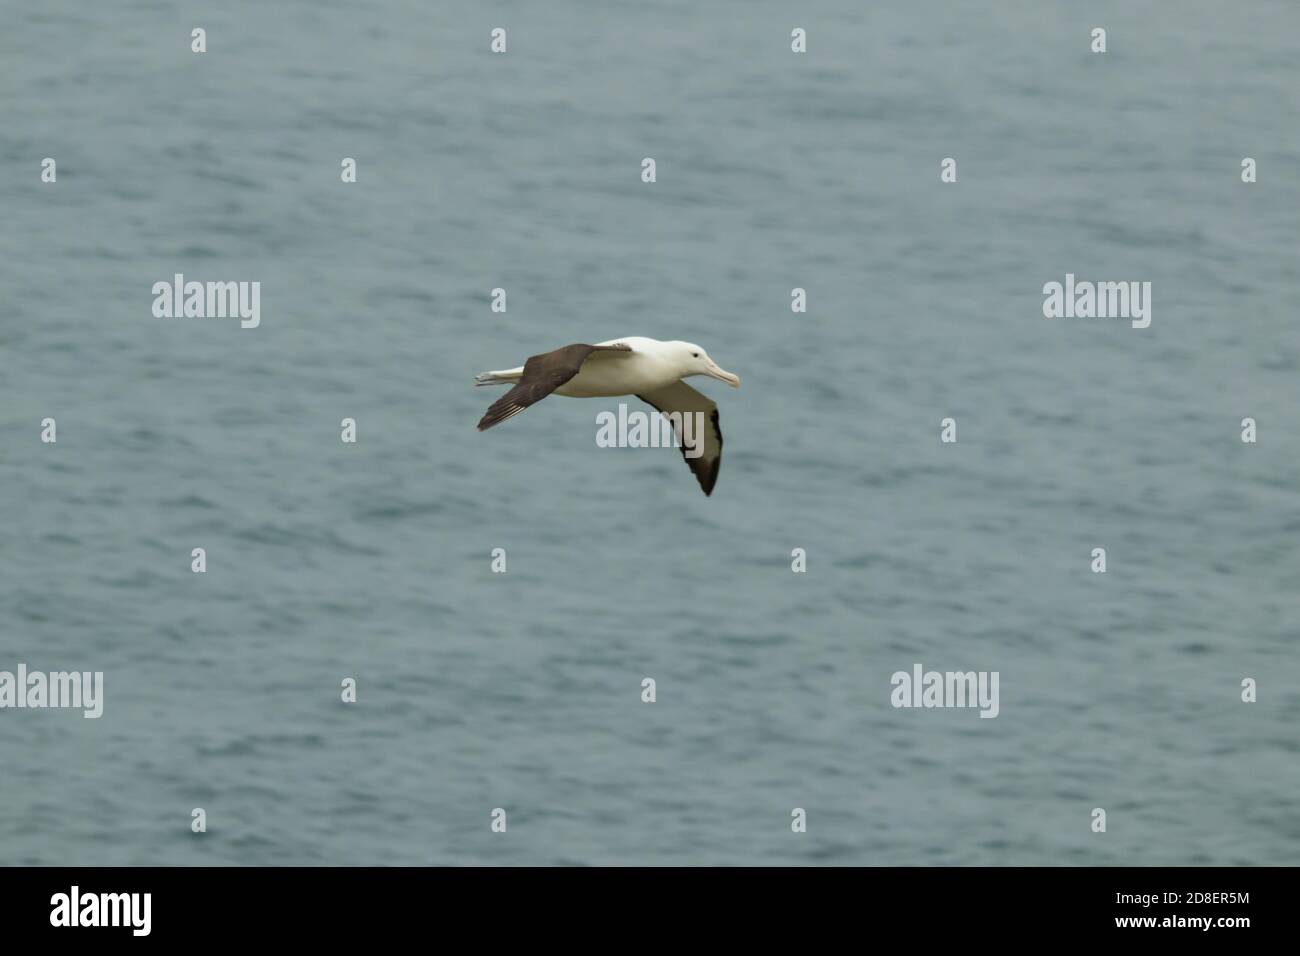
(695, 361)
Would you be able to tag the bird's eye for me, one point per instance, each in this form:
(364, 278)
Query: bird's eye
(695, 355)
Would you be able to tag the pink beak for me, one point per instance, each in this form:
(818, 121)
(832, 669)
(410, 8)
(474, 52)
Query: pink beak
(722, 375)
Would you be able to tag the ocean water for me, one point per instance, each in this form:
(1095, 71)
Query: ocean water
(522, 690)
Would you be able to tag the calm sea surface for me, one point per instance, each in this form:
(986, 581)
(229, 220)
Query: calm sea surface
(523, 691)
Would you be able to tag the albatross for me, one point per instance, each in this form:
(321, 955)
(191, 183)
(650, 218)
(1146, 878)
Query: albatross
(647, 368)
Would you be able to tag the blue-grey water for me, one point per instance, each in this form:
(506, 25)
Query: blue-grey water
(775, 170)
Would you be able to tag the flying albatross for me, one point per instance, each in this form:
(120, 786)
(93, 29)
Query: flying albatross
(647, 368)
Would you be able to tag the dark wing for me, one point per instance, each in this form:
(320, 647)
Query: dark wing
(680, 397)
(542, 375)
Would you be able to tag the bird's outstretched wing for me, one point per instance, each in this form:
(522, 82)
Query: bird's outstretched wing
(542, 375)
(680, 397)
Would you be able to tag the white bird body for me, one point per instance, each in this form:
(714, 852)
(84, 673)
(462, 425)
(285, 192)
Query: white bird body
(650, 366)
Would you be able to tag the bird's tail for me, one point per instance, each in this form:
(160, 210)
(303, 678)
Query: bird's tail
(506, 377)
